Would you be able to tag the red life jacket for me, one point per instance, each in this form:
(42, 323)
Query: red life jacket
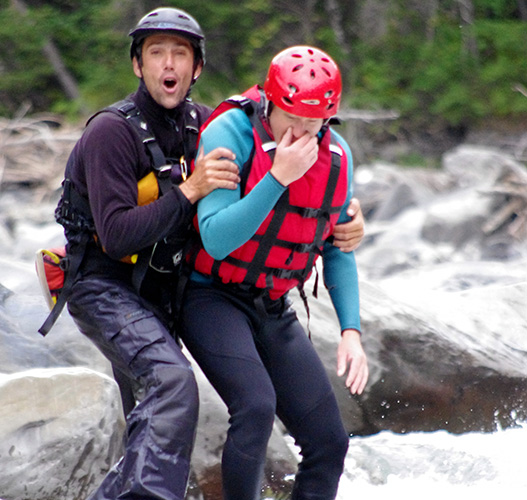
(285, 247)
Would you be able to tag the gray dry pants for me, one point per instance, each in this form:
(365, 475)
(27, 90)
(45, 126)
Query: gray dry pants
(161, 428)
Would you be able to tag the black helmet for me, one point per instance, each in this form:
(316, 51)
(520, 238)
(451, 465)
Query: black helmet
(168, 19)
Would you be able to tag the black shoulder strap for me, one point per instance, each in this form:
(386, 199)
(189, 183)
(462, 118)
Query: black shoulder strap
(254, 111)
(74, 210)
(70, 265)
(131, 113)
(190, 136)
(129, 110)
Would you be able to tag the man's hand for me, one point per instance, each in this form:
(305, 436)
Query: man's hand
(293, 158)
(351, 358)
(211, 171)
(348, 235)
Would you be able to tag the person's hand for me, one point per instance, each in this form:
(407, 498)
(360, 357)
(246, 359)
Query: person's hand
(294, 158)
(216, 169)
(351, 358)
(348, 235)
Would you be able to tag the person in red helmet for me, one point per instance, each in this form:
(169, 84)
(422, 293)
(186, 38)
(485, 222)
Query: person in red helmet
(257, 243)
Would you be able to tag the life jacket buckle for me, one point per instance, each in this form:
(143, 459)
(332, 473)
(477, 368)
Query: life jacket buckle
(164, 171)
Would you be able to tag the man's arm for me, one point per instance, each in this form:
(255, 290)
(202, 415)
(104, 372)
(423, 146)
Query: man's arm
(340, 277)
(114, 162)
(214, 170)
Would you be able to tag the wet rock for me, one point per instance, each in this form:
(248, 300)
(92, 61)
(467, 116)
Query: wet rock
(60, 429)
(444, 312)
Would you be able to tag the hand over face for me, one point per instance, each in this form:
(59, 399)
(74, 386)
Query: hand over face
(293, 158)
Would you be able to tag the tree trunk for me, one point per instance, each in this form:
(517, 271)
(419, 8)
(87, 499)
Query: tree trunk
(52, 54)
(335, 16)
(466, 11)
(522, 7)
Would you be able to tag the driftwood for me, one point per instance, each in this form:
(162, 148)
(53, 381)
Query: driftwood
(368, 116)
(34, 151)
(511, 189)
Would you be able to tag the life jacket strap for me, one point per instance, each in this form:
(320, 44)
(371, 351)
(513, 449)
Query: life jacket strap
(71, 264)
(74, 214)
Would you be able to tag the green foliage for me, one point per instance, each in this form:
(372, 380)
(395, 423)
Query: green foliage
(427, 70)
(421, 58)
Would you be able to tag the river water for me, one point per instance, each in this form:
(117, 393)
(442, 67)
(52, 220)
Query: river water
(436, 464)
(414, 465)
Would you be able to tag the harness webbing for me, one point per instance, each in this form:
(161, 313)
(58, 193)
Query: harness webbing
(265, 242)
(73, 211)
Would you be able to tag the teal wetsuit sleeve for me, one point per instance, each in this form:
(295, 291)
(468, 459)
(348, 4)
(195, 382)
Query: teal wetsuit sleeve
(340, 269)
(344, 217)
(226, 220)
(341, 280)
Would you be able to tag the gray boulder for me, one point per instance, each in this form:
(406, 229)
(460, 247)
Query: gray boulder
(443, 287)
(453, 360)
(60, 430)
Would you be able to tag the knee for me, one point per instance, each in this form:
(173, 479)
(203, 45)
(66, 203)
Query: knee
(332, 442)
(252, 424)
(168, 389)
(322, 434)
(340, 443)
(176, 387)
(258, 414)
(168, 412)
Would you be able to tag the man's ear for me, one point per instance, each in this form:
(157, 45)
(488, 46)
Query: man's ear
(137, 68)
(197, 71)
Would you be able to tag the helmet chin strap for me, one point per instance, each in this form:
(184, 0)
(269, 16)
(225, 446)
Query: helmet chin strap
(267, 107)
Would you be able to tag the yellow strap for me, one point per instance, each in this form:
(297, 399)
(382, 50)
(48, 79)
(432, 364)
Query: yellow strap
(53, 256)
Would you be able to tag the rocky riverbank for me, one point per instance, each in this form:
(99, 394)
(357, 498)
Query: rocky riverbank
(443, 271)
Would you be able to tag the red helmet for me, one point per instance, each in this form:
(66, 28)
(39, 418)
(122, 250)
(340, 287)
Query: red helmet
(304, 81)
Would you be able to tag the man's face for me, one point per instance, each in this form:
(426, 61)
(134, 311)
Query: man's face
(167, 68)
(280, 121)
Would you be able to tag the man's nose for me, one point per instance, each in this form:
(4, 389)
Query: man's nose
(169, 61)
(299, 129)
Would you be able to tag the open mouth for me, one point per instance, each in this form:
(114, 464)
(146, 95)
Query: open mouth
(169, 83)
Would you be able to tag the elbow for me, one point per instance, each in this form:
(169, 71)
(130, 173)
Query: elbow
(213, 248)
(213, 240)
(116, 251)
(116, 247)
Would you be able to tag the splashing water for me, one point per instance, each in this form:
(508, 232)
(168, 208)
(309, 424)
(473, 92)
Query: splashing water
(436, 463)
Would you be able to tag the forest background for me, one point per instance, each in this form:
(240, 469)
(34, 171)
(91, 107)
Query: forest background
(443, 67)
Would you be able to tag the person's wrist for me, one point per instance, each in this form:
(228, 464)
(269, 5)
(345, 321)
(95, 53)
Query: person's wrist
(189, 191)
(351, 332)
(277, 179)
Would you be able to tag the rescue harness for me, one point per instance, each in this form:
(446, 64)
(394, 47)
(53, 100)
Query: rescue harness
(74, 214)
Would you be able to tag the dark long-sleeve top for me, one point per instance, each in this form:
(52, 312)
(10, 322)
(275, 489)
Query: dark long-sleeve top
(108, 161)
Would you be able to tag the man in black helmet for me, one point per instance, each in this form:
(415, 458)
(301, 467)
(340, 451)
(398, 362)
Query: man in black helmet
(127, 207)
